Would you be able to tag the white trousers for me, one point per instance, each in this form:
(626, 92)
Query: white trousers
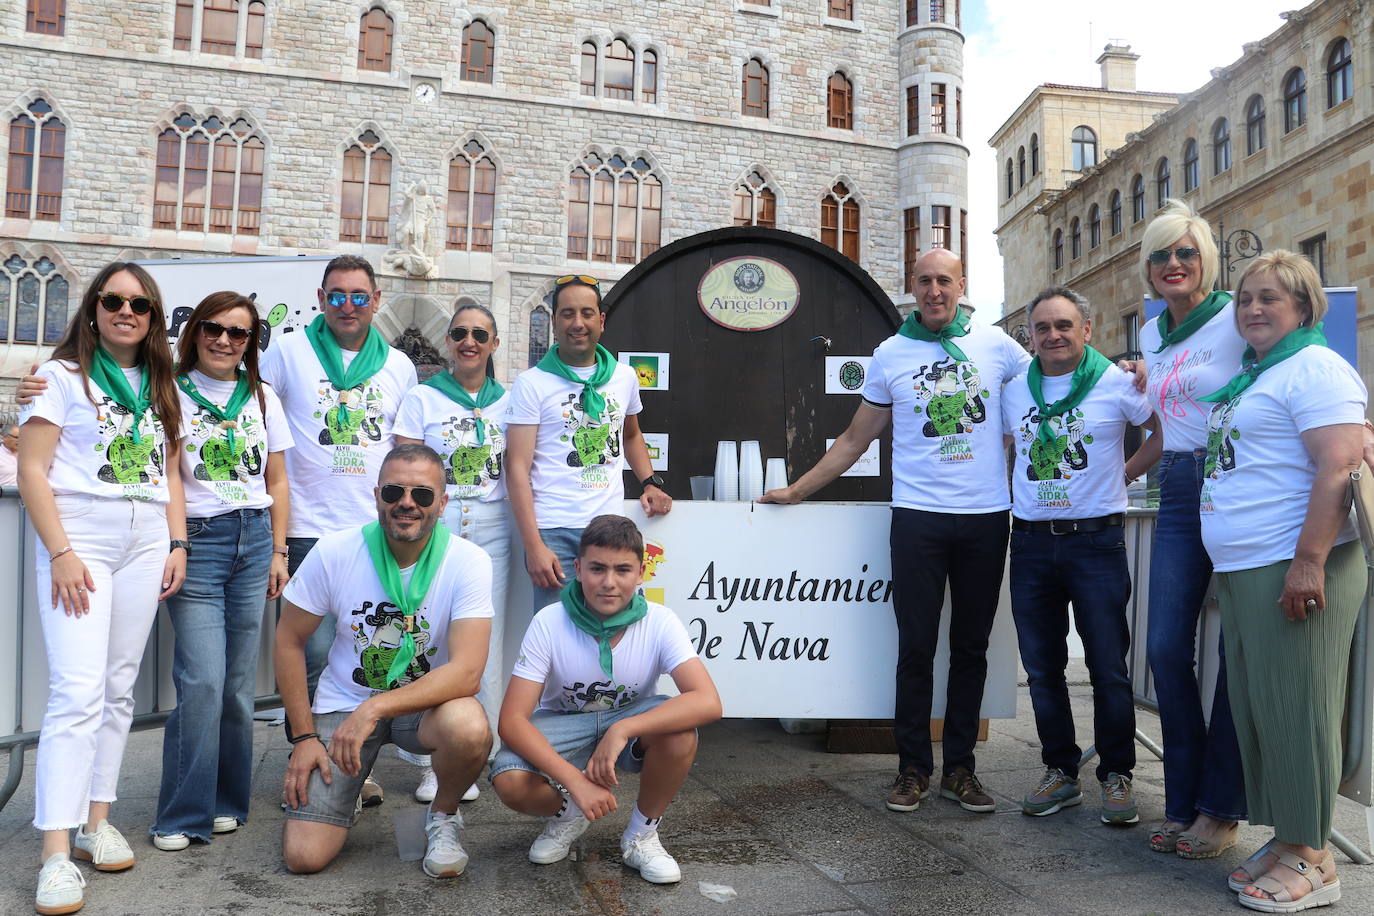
(93, 659)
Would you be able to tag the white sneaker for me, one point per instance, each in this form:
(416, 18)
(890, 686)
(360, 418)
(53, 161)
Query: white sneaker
(444, 855)
(645, 853)
(472, 793)
(171, 842)
(559, 834)
(106, 849)
(428, 787)
(59, 886)
(223, 823)
(371, 794)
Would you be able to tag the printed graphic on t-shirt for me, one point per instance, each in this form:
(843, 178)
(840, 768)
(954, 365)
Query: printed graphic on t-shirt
(223, 467)
(952, 400)
(1176, 392)
(468, 466)
(1051, 465)
(1221, 449)
(378, 632)
(351, 422)
(136, 464)
(597, 696)
(594, 447)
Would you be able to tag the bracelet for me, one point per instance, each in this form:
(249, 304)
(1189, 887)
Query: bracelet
(297, 739)
(65, 550)
(284, 551)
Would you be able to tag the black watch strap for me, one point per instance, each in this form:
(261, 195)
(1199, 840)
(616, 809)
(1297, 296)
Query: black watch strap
(655, 480)
(184, 545)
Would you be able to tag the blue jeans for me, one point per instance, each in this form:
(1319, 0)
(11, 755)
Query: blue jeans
(207, 748)
(317, 646)
(1048, 571)
(563, 542)
(1202, 768)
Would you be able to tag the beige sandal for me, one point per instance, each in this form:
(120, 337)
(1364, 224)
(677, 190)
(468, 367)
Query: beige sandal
(1191, 846)
(1250, 867)
(1164, 838)
(1324, 887)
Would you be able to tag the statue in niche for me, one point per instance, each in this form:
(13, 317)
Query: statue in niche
(427, 359)
(415, 233)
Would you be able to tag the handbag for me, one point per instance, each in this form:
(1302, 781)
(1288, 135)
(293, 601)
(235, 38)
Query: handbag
(1362, 495)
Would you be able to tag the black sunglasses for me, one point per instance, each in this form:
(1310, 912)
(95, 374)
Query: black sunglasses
(113, 302)
(212, 330)
(481, 335)
(422, 496)
(1185, 253)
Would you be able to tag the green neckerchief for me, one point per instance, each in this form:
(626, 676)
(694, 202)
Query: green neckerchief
(913, 328)
(408, 599)
(593, 402)
(231, 411)
(369, 361)
(1202, 313)
(1292, 342)
(106, 373)
(594, 625)
(1090, 369)
(490, 392)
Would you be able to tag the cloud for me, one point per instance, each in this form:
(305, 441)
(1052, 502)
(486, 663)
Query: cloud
(1013, 46)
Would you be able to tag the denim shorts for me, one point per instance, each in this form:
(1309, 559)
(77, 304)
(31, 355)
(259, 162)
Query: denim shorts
(336, 803)
(575, 735)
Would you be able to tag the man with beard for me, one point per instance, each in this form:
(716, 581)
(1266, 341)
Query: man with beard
(413, 606)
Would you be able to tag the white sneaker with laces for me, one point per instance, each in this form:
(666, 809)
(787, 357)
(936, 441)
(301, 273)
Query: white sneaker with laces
(645, 853)
(106, 848)
(444, 855)
(428, 787)
(59, 886)
(472, 793)
(171, 842)
(223, 823)
(559, 834)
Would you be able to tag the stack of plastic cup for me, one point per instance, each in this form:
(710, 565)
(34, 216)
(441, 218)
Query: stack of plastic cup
(775, 476)
(750, 470)
(727, 472)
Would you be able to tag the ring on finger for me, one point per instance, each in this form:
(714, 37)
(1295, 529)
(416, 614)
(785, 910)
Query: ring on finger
(1310, 602)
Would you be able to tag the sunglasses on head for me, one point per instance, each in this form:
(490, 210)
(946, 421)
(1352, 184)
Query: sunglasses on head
(212, 330)
(1184, 253)
(113, 302)
(422, 496)
(337, 299)
(481, 335)
(578, 278)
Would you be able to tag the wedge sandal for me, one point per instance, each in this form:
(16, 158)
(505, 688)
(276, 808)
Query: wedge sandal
(1164, 838)
(1279, 899)
(1191, 846)
(1251, 867)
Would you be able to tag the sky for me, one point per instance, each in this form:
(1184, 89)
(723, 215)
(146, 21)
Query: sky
(1012, 46)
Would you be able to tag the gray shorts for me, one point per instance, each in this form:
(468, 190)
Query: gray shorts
(574, 735)
(336, 803)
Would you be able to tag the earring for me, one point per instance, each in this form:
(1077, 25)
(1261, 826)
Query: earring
(94, 328)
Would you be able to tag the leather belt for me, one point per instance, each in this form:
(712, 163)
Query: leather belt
(1069, 525)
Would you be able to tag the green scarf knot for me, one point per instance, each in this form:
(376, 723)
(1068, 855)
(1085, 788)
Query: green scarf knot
(231, 411)
(107, 374)
(490, 392)
(1085, 376)
(602, 629)
(593, 401)
(913, 328)
(369, 361)
(1252, 367)
(1202, 313)
(409, 599)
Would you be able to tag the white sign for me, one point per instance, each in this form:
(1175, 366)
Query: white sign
(650, 368)
(869, 464)
(790, 607)
(657, 443)
(846, 374)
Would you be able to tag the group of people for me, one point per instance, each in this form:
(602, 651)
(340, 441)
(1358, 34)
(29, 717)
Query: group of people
(217, 479)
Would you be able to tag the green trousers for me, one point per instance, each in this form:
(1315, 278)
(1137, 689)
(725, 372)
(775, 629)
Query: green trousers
(1287, 683)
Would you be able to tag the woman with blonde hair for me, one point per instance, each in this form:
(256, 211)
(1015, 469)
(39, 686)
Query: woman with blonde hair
(99, 476)
(1285, 431)
(1191, 349)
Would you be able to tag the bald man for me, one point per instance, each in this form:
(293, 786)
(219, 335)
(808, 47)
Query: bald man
(940, 381)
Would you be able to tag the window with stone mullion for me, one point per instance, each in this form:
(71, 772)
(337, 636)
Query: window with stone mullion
(38, 294)
(36, 160)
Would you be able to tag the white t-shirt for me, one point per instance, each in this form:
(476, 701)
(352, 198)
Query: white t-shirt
(216, 481)
(96, 452)
(9, 468)
(1258, 472)
(334, 463)
(338, 578)
(1083, 474)
(1188, 370)
(576, 473)
(472, 471)
(567, 661)
(947, 453)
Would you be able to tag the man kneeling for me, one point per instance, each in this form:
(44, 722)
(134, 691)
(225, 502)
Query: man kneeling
(413, 606)
(580, 704)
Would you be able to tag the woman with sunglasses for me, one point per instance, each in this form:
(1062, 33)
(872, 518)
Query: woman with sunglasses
(1191, 349)
(98, 474)
(462, 415)
(233, 437)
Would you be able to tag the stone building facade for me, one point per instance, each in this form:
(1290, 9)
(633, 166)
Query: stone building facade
(549, 137)
(1280, 143)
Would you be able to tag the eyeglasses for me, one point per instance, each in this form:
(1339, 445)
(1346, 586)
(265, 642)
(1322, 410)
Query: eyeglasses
(1184, 253)
(337, 299)
(481, 335)
(422, 496)
(113, 302)
(578, 278)
(213, 330)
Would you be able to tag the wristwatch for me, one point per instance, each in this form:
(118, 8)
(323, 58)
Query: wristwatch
(184, 545)
(654, 479)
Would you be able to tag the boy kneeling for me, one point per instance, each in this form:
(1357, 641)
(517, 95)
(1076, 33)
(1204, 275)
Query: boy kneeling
(580, 704)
